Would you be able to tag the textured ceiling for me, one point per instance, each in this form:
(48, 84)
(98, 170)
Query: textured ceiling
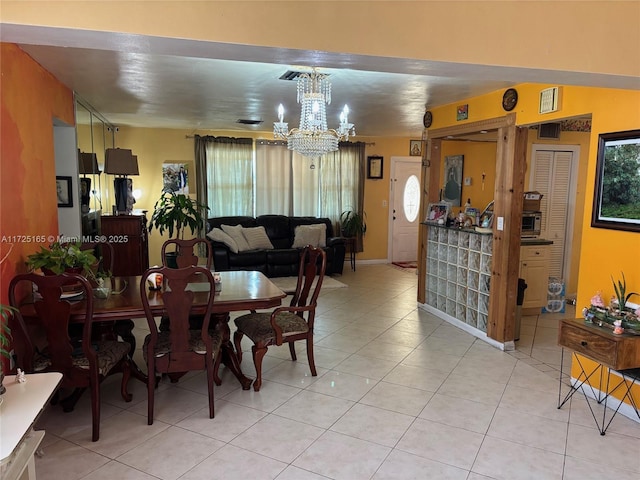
(173, 83)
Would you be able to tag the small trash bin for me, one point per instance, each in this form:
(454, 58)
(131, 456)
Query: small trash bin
(522, 286)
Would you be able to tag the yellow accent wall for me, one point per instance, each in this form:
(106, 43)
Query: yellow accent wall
(156, 146)
(603, 252)
(495, 32)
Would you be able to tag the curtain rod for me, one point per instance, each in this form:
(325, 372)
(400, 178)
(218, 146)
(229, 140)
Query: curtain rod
(369, 144)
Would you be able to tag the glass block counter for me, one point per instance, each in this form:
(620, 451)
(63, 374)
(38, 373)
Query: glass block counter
(459, 273)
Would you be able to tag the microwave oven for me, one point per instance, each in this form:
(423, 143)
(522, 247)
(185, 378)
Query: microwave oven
(531, 224)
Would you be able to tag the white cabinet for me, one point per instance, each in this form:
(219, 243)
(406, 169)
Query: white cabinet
(534, 269)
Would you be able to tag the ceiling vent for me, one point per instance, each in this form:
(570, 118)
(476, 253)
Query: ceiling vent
(246, 121)
(549, 130)
(293, 75)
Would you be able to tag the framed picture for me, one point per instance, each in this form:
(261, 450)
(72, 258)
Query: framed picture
(64, 192)
(616, 202)
(178, 177)
(415, 148)
(462, 112)
(438, 212)
(374, 167)
(85, 190)
(452, 189)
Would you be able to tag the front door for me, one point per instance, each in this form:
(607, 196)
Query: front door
(404, 209)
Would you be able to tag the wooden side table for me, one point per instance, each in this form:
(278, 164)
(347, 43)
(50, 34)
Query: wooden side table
(21, 406)
(613, 353)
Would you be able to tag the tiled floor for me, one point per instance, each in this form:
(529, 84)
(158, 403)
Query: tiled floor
(399, 395)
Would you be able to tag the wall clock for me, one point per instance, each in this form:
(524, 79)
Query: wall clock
(510, 99)
(427, 120)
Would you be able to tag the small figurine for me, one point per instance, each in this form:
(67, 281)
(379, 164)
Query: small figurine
(20, 376)
(618, 327)
(597, 300)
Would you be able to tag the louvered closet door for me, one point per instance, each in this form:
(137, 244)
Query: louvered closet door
(552, 178)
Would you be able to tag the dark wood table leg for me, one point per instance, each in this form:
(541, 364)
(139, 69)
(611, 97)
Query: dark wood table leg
(228, 353)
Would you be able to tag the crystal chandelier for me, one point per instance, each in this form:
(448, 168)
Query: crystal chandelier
(313, 138)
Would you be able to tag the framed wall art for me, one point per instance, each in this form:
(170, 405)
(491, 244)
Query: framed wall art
(178, 177)
(64, 192)
(374, 167)
(616, 200)
(462, 112)
(415, 148)
(452, 189)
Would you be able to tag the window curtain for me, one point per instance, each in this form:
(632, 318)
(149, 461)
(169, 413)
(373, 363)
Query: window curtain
(273, 178)
(287, 185)
(229, 175)
(342, 182)
(200, 154)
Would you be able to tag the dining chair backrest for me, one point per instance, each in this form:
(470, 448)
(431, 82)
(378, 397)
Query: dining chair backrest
(180, 349)
(187, 251)
(53, 314)
(104, 251)
(44, 345)
(178, 304)
(313, 264)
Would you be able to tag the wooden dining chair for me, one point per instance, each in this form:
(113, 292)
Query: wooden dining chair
(42, 342)
(180, 349)
(286, 324)
(105, 253)
(187, 251)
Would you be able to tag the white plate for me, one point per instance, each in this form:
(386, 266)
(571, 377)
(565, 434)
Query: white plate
(70, 295)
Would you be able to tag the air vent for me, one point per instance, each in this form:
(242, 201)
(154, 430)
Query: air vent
(550, 100)
(290, 75)
(549, 130)
(246, 121)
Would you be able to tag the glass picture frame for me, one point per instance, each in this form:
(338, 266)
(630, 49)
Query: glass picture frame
(616, 200)
(374, 167)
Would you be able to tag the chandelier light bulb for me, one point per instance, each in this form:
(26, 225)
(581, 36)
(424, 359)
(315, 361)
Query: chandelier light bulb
(280, 113)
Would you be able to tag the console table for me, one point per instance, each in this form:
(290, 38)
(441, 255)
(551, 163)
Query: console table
(612, 352)
(21, 406)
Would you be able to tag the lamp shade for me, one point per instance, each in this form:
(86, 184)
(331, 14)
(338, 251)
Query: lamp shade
(88, 163)
(120, 161)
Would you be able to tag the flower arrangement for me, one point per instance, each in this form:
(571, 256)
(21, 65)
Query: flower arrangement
(617, 315)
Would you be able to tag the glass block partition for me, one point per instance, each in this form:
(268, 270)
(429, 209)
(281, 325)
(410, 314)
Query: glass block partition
(459, 273)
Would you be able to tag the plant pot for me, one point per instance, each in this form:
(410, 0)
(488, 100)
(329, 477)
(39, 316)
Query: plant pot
(171, 259)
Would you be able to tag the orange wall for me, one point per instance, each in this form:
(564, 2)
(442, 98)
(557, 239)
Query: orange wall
(30, 99)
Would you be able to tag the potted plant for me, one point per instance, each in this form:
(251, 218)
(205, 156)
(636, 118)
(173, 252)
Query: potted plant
(622, 296)
(59, 258)
(175, 212)
(352, 223)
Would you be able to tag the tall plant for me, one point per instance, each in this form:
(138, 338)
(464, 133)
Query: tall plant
(620, 288)
(175, 212)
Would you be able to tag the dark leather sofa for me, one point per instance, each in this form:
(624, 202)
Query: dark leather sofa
(282, 261)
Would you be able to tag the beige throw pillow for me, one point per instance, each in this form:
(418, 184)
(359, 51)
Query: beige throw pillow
(308, 235)
(257, 238)
(217, 235)
(322, 235)
(235, 232)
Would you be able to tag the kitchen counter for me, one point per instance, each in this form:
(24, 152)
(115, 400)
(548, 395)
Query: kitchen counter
(535, 241)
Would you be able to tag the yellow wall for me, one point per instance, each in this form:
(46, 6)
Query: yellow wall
(603, 252)
(155, 146)
(479, 157)
(559, 38)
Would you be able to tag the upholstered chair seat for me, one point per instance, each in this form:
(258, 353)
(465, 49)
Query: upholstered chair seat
(286, 324)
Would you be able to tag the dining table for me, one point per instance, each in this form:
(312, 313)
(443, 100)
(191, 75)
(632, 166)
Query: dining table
(239, 291)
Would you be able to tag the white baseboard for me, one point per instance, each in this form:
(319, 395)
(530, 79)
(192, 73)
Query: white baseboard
(506, 346)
